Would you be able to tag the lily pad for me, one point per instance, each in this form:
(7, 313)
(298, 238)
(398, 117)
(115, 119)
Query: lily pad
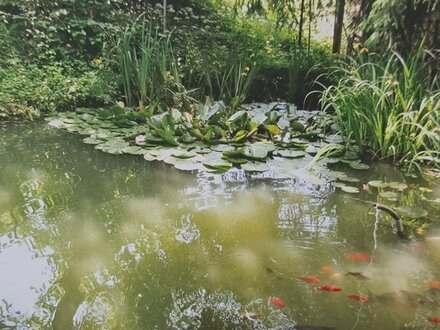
(377, 184)
(350, 189)
(188, 165)
(149, 157)
(92, 140)
(184, 154)
(411, 212)
(291, 153)
(398, 186)
(255, 167)
(133, 150)
(346, 178)
(390, 195)
(358, 166)
(259, 150)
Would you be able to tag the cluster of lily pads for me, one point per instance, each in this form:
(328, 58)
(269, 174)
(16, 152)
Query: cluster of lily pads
(275, 138)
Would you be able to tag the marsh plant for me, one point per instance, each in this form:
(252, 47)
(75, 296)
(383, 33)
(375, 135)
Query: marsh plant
(148, 69)
(389, 107)
(232, 84)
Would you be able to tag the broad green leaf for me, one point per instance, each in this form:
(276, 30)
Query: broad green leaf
(377, 184)
(167, 137)
(411, 212)
(290, 153)
(398, 186)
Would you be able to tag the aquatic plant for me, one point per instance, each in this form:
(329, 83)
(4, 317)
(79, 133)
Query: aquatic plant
(147, 68)
(231, 84)
(389, 107)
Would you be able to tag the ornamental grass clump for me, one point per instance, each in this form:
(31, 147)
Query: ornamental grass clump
(389, 107)
(147, 68)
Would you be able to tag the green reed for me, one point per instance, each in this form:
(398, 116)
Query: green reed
(146, 64)
(390, 107)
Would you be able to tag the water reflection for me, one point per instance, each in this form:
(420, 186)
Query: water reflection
(89, 240)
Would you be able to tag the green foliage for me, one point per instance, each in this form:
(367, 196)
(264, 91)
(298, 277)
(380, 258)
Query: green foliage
(391, 106)
(403, 24)
(147, 68)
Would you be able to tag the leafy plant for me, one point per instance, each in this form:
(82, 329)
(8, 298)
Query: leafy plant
(391, 107)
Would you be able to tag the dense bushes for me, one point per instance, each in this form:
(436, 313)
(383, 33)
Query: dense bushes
(58, 60)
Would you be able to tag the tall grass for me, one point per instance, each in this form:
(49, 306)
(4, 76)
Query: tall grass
(146, 65)
(389, 106)
(232, 84)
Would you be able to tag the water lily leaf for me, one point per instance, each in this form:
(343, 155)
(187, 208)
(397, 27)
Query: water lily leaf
(335, 138)
(255, 167)
(358, 166)
(272, 129)
(149, 157)
(188, 165)
(184, 155)
(339, 184)
(398, 186)
(350, 189)
(411, 212)
(218, 166)
(57, 123)
(377, 184)
(92, 140)
(346, 178)
(133, 150)
(235, 160)
(311, 150)
(239, 136)
(390, 195)
(258, 150)
(290, 153)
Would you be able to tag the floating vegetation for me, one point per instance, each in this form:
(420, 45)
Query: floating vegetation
(257, 138)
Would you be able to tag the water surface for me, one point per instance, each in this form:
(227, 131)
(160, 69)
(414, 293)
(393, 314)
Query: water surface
(94, 241)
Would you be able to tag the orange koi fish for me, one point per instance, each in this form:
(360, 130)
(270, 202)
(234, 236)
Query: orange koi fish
(434, 285)
(358, 275)
(358, 257)
(275, 302)
(418, 246)
(329, 287)
(434, 319)
(359, 298)
(310, 279)
(325, 270)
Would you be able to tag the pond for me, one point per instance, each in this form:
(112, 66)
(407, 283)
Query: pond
(90, 240)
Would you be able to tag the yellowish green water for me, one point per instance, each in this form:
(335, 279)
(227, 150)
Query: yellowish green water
(94, 241)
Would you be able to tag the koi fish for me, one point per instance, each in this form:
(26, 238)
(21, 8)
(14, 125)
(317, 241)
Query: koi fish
(329, 287)
(359, 298)
(358, 257)
(325, 270)
(434, 285)
(310, 279)
(275, 302)
(358, 275)
(418, 247)
(434, 319)
(401, 297)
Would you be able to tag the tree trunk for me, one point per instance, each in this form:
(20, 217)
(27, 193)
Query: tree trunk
(301, 23)
(339, 21)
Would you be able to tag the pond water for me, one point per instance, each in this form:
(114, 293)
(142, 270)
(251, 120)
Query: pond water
(90, 240)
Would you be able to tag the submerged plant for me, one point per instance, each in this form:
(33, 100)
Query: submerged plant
(391, 107)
